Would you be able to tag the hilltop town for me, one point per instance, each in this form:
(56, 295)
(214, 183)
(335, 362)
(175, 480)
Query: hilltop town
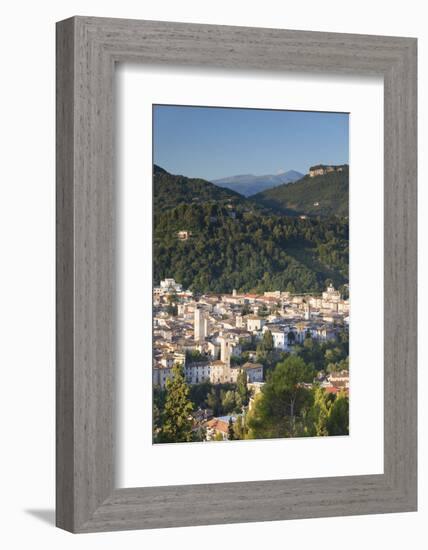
(215, 338)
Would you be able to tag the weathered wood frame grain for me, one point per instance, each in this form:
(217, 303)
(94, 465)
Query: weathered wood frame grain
(87, 50)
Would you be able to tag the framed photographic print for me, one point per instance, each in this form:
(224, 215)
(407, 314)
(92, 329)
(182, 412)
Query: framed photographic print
(236, 274)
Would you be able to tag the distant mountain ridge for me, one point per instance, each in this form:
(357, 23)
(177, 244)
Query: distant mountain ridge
(248, 184)
(323, 195)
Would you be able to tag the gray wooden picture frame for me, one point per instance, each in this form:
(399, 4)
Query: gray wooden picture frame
(87, 50)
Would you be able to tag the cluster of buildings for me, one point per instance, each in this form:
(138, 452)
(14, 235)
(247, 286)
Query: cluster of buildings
(207, 335)
(333, 383)
(219, 426)
(336, 382)
(322, 169)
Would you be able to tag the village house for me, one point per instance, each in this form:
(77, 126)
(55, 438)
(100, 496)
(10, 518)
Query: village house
(220, 372)
(273, 294)
(318, 170)
(161, 375)
(255, 323)
(220, 426)
(321, 170)
(280, 337)
(202, 415)
(167, 361)
(339, 379)
(300, 332)
(167, 286)
(234, 299)
(250, 298)
(183, 235)
(254, 371)
(196, 373)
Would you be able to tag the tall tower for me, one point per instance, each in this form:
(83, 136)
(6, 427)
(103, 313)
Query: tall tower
(225, 350)
(206, 324)
(200, 325)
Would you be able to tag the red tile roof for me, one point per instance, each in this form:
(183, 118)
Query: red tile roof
(218, 425)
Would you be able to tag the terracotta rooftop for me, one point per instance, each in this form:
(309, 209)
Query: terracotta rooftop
(249, 365)
(218, 425)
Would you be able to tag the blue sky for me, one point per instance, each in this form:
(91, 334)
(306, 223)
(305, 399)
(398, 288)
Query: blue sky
(211, 142)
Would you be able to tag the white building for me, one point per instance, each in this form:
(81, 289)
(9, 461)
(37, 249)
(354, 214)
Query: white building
(331, 295)
(220, 373)
(301, 330)
(255, 323)
(196, 373)
(167, 361)
(181, 310)
(179, 358)
(339, 378)
(183, 235)
(219, 426)
(273, 294)
(254, 372)
(170, 285)
(280, 338)
(161, 375)
(325, 333)
(167, 286)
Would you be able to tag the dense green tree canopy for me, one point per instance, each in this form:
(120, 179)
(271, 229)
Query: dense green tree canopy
(237, 244)
(281, 400)
(175, 423)
(322, 195)
(338, 420)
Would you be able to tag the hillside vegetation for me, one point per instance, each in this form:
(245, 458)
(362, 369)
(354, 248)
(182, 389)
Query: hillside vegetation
(171, 190)
(235, 243)
(324, 196)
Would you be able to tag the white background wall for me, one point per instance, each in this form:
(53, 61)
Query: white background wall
(27, 272)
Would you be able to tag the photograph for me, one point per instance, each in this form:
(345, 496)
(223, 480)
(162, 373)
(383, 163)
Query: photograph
(250, 274)
(211, 307)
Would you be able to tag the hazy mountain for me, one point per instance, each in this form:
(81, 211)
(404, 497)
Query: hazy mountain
(248, 184)
(322, 195)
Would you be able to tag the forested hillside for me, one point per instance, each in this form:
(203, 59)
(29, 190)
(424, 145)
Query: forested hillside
(171, 190)
(236, 244)
(323, 195)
